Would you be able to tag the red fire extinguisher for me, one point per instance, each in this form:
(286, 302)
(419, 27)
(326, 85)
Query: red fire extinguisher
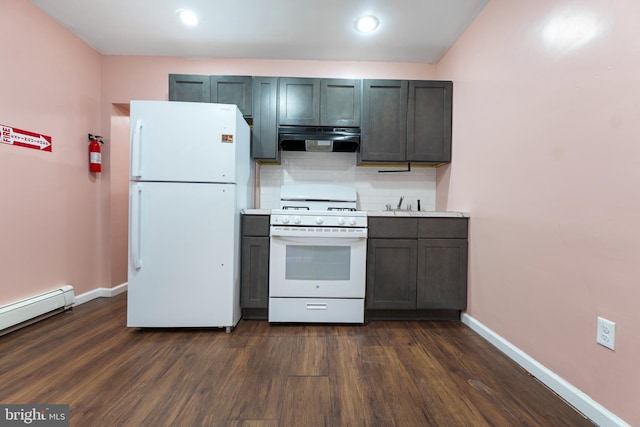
(95, 153)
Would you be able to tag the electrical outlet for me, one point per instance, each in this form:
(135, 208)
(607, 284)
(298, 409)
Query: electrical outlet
(606, 333)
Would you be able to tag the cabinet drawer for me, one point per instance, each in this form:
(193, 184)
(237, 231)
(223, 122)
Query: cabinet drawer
(392, 228)
(255, 225)
(443, 228)
(325, 310)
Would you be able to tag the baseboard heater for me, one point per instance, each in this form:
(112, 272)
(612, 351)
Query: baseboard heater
(30, 310)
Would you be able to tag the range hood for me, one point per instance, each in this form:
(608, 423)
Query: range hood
(323, 139)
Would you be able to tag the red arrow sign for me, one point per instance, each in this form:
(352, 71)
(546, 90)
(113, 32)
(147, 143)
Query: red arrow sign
(24, 138)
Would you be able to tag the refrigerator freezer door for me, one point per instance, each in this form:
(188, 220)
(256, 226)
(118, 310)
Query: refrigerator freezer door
(183, 255)
(186, 141)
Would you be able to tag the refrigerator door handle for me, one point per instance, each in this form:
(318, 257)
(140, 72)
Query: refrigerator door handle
(136, 150)
(136, 231)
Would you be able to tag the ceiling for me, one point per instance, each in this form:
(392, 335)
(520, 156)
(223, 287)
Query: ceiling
(420, 31)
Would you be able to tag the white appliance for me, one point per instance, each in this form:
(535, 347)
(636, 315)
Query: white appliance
(190, 175)
(318, 250)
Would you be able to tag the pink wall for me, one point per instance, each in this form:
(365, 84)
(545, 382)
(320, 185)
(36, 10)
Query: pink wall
(49, 215)
(545, 157)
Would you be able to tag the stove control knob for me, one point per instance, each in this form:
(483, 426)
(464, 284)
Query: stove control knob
(319, 220)
(285, 220)
(341, 221)
(352, 221)
(296, 220)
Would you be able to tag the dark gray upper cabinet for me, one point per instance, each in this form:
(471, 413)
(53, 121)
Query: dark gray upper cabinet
(340, 101)
(406, 121)
(319, 102)
(233, 90)
(401, 121)
(264, 134)
(384, 121)
(223, 89)
(189, 88)
(429, 121)
(299, 101)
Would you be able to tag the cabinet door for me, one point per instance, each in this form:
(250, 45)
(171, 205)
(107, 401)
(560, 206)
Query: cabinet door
(233, 90)
(254, 279)
(391, 274)
(384, 121)
(264, 135)
(429, 121)
(442, 274)
(340, 102)
(299, 102)
(189, 88)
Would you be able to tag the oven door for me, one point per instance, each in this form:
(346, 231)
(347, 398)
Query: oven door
(304, 265)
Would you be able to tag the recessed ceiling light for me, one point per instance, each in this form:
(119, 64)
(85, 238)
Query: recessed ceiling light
(187, 17)
(367, 24)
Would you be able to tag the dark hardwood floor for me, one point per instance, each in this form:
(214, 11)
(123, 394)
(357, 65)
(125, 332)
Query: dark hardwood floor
(385, 373)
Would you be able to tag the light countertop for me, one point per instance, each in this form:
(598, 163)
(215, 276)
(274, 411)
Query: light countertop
(421, 214)
(256, 211)
(393, 213)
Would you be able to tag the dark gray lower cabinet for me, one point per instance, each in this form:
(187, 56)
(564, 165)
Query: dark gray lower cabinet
(442, 274)
(391, 273)
(416, 267)
(254, 273)
(255, 257)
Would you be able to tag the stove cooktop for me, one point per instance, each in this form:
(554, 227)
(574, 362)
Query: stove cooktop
(318, 218)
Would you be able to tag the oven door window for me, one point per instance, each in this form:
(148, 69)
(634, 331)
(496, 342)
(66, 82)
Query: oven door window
(317, 262)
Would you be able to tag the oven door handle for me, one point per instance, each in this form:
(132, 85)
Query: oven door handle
(318, 240)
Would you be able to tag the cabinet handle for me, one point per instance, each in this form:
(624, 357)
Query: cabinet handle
(136, 150)
(136, 226)
(316, 306)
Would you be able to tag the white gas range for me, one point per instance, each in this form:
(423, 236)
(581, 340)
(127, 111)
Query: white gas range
(318, 251)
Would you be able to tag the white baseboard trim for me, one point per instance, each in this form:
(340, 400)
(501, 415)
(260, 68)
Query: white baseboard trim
(100, 292)
(582, 402)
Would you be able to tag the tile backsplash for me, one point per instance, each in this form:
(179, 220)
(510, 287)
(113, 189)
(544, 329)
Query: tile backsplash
(375, 190)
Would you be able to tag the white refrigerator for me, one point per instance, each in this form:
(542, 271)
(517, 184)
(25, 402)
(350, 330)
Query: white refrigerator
(190, 176)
